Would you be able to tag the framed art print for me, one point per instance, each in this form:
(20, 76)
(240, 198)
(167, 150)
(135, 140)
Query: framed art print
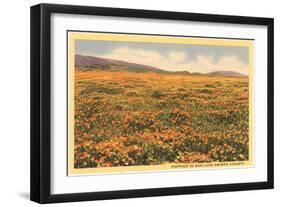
(133, 103)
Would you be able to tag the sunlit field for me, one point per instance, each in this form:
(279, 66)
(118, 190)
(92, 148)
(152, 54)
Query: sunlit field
(127, 119)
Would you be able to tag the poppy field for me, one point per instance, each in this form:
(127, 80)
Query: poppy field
(129, 119)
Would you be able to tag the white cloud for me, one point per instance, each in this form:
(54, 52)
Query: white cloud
(178, 57)
(178, 61)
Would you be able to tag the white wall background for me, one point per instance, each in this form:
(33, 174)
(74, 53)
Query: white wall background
(14, 104)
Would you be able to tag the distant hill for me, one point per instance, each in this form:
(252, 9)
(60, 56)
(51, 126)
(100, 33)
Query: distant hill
(226, 73)
(92, 62)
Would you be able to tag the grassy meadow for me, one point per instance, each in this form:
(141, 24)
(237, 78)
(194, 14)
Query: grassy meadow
(127, 119)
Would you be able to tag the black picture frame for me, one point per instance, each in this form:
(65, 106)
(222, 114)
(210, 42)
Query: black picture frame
(41, 98)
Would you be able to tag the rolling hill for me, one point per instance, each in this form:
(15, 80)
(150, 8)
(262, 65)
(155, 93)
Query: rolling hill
(92, 62)
(227, 73)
